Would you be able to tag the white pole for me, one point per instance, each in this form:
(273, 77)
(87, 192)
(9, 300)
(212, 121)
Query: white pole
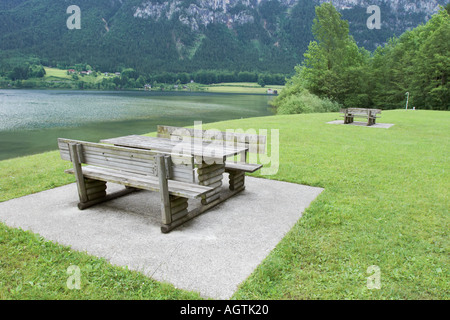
(407, 98)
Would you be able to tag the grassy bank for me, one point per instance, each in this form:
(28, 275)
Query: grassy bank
(385, 204)
(241, 87)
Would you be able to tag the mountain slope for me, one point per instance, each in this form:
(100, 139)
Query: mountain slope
(155, 36)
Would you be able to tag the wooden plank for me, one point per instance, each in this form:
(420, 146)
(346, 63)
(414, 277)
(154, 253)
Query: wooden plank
(184, 178)
(237, 185)
(176, 201)
(117, 161)
(120, 154)
(95, 189)
(208, 169)
(212, 192)
(136, 153)
(174, 147)
(176, 188)
(170, 130)
(183, 169)
(256, 143)
(81, 187)
(93, 183)
(246, 167)
(114, 195)
(210, 199)
(207, 176)
(179, 215)
(108, 156)
(179, 208)
(132, 166)
(211, 180)
(97, 195)
(237, 180)
(164, 191)
(235, 173)
(215, 185)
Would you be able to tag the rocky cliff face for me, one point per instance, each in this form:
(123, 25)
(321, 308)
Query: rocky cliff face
(397, 15)
(427, 7)
(203, 12)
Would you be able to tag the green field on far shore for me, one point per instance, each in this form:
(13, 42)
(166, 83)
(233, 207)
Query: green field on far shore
(241, 87)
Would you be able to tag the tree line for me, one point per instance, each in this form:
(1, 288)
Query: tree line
(130, 78)
(336, 72)
(25, 72)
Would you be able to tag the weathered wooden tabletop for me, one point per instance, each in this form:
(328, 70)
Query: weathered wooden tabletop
(204, 149)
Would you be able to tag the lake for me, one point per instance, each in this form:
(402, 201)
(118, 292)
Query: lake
(32, 120)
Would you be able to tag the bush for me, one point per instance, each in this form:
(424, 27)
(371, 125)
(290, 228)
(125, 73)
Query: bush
(305, 102)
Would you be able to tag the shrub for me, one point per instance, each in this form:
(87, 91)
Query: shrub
(305, 102)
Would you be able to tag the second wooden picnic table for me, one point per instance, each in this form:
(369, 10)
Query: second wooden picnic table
(210, 158)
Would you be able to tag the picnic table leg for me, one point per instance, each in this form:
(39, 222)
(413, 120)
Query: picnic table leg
(211, 175)
(89, 190)
(348, 119)
(237, 179)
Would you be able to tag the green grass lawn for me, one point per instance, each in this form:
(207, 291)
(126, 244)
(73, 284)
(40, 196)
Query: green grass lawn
(54, 73)
(385, 203)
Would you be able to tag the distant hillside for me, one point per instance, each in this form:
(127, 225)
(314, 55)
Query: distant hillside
(154, 36)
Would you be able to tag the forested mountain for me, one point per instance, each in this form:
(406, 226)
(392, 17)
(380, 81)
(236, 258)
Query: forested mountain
(154, 36)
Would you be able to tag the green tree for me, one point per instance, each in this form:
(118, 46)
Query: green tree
(261, 81)
(140, 82)
(130, 73)
(430, 86)
(20, 73)
(334, 66)
(417, 62)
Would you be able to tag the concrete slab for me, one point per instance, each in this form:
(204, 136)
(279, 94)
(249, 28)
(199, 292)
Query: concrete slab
(363, 124)
(211, 254)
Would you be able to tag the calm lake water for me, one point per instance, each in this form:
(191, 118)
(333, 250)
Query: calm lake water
(32, 120)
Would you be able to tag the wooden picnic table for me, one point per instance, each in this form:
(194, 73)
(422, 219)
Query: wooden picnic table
(136, 169)
(210, 158)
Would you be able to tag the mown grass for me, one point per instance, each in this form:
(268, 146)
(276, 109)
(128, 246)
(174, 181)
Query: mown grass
(56, 73)
(240, 87)
(385, 203)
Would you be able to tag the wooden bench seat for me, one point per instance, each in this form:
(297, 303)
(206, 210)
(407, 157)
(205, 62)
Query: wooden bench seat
(241, 166)
(170, 175)
(151, 183)
(370, 114)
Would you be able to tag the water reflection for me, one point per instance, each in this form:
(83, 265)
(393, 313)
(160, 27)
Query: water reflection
(32, 120)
